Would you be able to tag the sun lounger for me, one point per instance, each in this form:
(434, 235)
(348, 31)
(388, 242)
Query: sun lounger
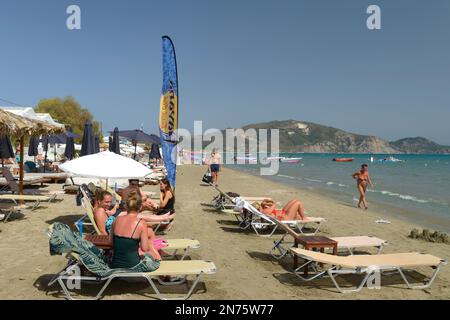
(174, 245)
(177, 268)
(347, 244)
(223, 201)
(259, 221)
(369, 266)
(65, 241)
(8, 209)
(17, 207)
(51, 176)
(12, 184)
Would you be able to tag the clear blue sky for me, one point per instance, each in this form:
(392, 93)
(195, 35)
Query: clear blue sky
(239, 62)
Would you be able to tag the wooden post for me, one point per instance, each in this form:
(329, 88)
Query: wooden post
(21, 165)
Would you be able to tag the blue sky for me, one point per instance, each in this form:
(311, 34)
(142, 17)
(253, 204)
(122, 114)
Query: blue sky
(239, 62)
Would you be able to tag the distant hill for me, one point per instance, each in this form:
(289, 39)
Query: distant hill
(302, 136)
(419, 145)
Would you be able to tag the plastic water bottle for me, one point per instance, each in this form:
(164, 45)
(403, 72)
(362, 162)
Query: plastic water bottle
(80, 227)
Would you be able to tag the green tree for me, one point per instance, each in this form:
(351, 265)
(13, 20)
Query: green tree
(70, 113)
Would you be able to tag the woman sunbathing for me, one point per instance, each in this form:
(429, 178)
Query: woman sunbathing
(293, 210)
(130, 237)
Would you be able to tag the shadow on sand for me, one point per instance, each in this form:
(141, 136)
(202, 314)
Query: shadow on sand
(128, 287)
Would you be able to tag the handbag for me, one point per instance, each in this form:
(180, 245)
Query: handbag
(207, 178)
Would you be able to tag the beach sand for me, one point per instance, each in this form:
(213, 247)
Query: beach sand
(245, 270)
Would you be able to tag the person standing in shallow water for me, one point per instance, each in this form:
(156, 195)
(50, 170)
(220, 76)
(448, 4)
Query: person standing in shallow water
(363, 180)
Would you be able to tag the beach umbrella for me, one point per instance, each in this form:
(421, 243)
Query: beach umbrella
(33, 146)
(139, 136)
(69, 152)
(104, 165)
(6, 149)
(115, 141)
(88, 142)
(97, 144)
(154, 152)
(110, 142)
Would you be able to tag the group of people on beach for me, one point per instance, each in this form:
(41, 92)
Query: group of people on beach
(294, 210)
(129, 224)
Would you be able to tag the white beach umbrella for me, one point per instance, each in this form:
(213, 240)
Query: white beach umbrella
(106, 165)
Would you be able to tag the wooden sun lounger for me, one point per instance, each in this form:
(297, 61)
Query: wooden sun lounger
(183, 268)
(370, 266)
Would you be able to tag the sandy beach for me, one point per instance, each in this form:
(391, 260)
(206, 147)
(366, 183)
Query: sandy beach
(245, 270)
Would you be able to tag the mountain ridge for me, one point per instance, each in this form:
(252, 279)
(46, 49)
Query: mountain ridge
(309, 137)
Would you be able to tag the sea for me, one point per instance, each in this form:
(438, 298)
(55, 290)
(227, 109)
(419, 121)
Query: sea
(416, 189)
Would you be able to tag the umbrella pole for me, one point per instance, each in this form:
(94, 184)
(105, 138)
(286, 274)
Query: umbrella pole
(45, 158)
(135, 147)
(21, 166)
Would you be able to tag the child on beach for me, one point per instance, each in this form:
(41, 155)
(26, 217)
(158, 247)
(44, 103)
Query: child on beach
(363, 179)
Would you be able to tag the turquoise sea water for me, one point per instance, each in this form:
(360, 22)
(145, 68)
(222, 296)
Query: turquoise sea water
(419, 186)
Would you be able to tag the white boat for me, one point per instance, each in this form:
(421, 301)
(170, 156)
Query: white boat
(252, 160)
(271, 158)
(290, 160)
(391, 159)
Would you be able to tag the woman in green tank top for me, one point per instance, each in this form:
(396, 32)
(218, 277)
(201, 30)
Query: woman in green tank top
(130, 236)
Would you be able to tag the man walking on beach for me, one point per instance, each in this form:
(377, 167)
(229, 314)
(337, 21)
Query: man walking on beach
(363, 178)
(215, 166)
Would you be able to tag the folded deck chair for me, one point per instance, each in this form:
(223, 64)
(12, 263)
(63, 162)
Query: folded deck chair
(82, 254)
(173, 245)
(223, 201)
(369, 266)
(258, 220)
(348, 244)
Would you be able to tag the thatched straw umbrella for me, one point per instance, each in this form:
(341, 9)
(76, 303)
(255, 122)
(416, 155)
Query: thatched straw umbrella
(21, 127)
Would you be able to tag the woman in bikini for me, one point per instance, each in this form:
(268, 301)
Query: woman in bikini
(293, 210)
(363, 179)
(103, 214)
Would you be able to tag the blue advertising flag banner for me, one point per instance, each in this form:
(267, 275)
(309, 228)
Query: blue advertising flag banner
(168, 114)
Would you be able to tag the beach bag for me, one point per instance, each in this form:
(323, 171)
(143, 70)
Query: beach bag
(207, 178)
(159, 243)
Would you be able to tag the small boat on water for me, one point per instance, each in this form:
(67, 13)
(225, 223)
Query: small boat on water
(391, 159)
(290, 160)
(249, 160)
(343, 159)
(272, 158)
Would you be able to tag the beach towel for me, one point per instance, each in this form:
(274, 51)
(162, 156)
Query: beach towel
(64, 240)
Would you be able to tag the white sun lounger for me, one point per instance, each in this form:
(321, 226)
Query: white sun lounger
(369, 266)
(183, 268)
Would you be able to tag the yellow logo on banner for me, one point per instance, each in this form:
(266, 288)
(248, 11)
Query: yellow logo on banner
(168, 115)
